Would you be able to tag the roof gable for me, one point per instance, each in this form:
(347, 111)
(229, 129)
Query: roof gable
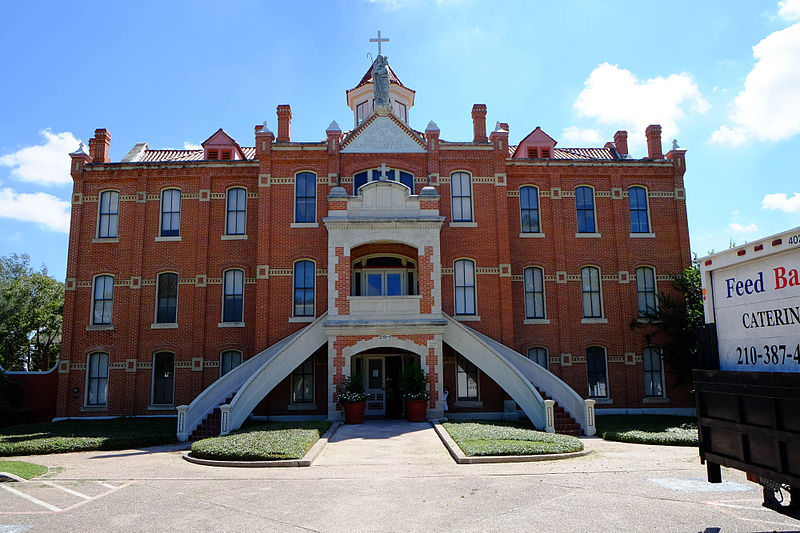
(536, 138)
(382, 134)
(220, 139)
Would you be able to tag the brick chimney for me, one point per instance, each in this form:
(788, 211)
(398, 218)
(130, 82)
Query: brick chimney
(621, 142)
(284, 123)
(479, 123)
(653, 134)
(99, 146)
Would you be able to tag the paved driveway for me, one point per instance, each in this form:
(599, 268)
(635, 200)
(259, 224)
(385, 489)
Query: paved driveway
(393, 476)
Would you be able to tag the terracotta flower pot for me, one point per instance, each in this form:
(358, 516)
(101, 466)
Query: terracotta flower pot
(417, 410)
(353, 412)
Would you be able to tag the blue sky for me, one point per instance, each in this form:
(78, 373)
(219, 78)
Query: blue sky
(720, 76)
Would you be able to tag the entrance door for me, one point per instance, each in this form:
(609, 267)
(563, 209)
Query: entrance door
(394, 398)
(375, 387)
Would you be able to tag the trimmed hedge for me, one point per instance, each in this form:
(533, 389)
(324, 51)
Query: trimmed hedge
(83, 435)
(665, 430)
(508, 438)
(22, 469)
(265, 442)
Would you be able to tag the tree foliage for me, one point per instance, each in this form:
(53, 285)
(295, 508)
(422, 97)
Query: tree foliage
(676, 321)
(31, 309)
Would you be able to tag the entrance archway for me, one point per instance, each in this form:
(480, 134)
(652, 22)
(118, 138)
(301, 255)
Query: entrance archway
(381, 369)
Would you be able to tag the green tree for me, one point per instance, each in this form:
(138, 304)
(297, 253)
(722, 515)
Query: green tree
(676, 321)
(31, 309)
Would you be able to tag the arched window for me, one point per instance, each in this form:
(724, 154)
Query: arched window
(103, 300)
(584, 204)
(108, 217)
(646, 291)
(163, 378)
(529, 209)
(305, 198)
(637, 201)
(167, 298)
(97, 379)
(592, 297)
(461, 192)
(304, 288)
(170, 212)
(653, 372)
(229, 360)
(233, 296)
(236, 216)
(596, 372)
(464, 279)
(538, 355)
(376, 174)
(534, 292)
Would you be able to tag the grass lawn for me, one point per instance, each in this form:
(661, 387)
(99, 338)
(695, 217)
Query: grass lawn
(508, 438)
(82, 435)
(263, 442)
(649, 429)
(22, 469)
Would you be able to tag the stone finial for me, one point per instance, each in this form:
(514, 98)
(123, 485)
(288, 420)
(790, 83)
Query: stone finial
(81, 150)
(499, 127)
(333, 127)
(432, 126)
(264, 128)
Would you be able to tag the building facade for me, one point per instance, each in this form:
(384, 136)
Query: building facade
(243, 280)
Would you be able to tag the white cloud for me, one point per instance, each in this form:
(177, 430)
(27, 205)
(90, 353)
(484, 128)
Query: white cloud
(780, 202)
(738, 228)
(767, 108)
(46, 163)
(41, 208)
(191, 146)
(615, 96)
(789, 9)
(582, 136)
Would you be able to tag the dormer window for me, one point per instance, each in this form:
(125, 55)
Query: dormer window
(226, 155)
(545, 153)
(213, 155)
(533, 153)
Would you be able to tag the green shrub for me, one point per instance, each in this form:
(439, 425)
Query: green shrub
(266, 442)
(508, 438)
(664, 430)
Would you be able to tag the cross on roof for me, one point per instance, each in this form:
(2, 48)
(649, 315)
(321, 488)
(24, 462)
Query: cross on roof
(379, 41)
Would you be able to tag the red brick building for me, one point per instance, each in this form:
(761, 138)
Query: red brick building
(509, 273)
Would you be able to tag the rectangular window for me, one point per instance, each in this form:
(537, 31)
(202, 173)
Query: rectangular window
(653, 372)
(592, 298)
(103, 300)
(304, 288)
(362, 110)
(303, 382)
(233, 291)
(584, 203)
(534, 292)
(464, 278)
(213, 155)
(107, 225)
(305, 209)
(466, 380)
(163, 378)
(400, 110)
(167, 299)
(533, 153)
(229, 360)
(545, 153)
(226, 155)
(538, 356)
(97, 379)
(236, 216)
(596, 372)
(170, 212)
(529, 209)
(637, 201)
(461, 189)
(646, 291)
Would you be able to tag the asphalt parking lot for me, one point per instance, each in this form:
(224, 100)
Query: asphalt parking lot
(387, 476)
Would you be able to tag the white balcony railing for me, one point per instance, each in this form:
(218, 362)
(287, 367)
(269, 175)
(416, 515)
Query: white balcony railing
(385, 306)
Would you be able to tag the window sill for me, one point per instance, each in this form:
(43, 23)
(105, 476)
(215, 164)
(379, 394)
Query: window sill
(655, 399)
(301, 319)
(304, 225)
(467, 318)
(94, 409)
(531, 235)
(160, 407)
(464, 224)
(173, 325)
(642, 235)
(171, 238)
(536, 321)
(230, 325)
(468, 404)
(602, 401)
(105, 239)
(594, 321)
(301, 406)
(647, 321)
(100, 327)
(233, 237)
(588, 235)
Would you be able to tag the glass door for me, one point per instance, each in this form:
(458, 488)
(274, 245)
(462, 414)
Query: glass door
(375, 387)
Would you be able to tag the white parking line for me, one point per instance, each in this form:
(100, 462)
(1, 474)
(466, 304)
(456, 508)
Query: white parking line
(68, 491)
(30, 498)
(107, 485)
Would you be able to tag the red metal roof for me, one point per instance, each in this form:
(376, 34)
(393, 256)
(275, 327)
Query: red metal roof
(368, 78)
(578, 154)
(158, 156)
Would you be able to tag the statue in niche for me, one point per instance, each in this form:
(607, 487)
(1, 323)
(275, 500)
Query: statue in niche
(380, 80)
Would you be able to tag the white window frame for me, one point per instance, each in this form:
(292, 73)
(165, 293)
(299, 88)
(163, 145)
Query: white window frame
(649, 232)
(471, 219)
(600, 290)
(660, 372)
(477, 397)
(99, 215)
(528, 315)
(314, 289)
(232, 236)
(161, 214)
(110, 323)
(655, 289)
(474, 288)
(605, 362)
(292, 400)
(158, 288)
(89, 378)
(538, 210)
(153, 380)
(222, 360)
(314, 223)
(223, 323)
(546, 365)
(596, 232)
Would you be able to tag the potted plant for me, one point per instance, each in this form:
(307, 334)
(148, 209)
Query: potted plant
(351, 399)
(415, 391)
